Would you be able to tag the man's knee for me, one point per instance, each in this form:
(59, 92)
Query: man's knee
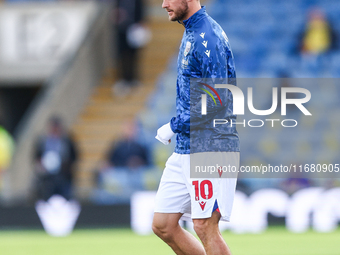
(158, 226)
(201, 227)
(163, 226)
(205, 227)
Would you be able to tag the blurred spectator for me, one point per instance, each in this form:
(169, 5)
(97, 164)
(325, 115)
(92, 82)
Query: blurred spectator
(124, 169)
(55, 156)
(132, 35)
(6, 151)
(319, 37)
(128, 152)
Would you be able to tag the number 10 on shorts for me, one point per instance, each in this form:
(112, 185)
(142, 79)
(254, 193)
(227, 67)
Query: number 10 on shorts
(203, 189)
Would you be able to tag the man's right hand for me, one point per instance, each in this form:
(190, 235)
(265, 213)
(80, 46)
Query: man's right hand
(164, 134)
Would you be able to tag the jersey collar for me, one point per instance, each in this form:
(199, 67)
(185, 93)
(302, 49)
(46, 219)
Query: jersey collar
(194, 18)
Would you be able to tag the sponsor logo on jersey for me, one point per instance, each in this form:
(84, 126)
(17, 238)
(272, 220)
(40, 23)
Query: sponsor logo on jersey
(185, 63)
(187, 49)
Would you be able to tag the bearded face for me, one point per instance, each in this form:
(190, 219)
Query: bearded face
(177, 10)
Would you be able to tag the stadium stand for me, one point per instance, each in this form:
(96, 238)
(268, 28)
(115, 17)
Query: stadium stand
(264, 38)
(102, 118)
(264, 35)
(65, 83)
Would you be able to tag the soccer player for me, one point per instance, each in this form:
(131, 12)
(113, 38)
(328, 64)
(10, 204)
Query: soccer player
(204, 53)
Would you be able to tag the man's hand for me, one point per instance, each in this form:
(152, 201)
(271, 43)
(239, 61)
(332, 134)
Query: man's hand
(164, 134)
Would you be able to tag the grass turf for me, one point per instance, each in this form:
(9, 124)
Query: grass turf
(275, 241)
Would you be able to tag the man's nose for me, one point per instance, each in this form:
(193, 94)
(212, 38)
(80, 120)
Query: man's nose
(165, 4)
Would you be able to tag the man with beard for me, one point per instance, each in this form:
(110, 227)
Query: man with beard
(204, 53)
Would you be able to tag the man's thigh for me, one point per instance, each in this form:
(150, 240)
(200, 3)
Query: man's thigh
(173, 195)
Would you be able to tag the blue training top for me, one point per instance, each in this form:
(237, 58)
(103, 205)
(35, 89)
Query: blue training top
(204, 53)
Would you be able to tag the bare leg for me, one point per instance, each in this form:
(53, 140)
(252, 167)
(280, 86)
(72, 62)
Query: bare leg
(165, 226)
(210, 235)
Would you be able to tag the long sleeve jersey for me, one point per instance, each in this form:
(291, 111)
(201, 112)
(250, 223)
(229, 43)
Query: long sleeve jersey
(204, 53)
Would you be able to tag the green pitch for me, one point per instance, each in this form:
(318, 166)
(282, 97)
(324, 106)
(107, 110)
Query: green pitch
(275, 241)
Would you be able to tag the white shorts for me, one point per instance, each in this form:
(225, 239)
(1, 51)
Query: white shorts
(194, 197)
